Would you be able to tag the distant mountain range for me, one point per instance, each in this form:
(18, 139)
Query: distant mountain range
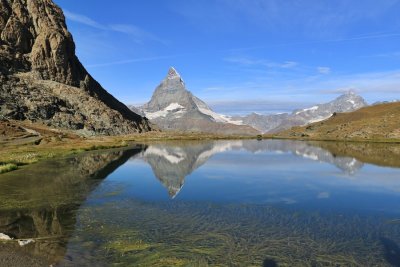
(279, 122)
(173, 107)
(379, 122)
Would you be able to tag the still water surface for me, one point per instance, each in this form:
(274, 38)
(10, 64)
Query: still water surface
(215, 203)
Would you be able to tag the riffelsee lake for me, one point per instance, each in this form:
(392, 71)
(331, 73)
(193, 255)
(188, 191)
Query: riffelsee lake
(211, 203)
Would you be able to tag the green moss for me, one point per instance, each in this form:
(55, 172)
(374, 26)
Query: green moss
(128, 246)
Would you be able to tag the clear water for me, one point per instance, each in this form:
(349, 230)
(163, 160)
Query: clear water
(215, 203)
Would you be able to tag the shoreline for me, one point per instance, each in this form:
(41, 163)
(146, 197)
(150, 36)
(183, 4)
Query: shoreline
(16, 154)
(374, 141)
(14, 157)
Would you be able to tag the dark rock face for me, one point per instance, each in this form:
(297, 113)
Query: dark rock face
(36, 48)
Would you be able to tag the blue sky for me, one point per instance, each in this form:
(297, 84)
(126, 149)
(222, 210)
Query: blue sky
(241, 55)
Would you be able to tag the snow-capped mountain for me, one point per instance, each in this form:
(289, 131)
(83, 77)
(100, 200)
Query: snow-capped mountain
(275, 123)
(173, 107)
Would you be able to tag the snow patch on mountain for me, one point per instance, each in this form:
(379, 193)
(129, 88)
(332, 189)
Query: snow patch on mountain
(219, 117)
(307, 109)
(171, 108)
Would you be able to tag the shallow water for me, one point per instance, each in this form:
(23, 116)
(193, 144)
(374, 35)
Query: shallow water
(215, 203)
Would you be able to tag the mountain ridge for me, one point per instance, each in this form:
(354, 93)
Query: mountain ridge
(273, 123)
(372, 123)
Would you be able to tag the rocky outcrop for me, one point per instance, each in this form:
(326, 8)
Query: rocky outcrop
(43, 80)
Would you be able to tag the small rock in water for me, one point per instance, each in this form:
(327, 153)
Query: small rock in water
(25, 242)
(4, 237)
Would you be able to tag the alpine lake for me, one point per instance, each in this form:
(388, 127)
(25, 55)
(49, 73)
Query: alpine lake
(209, 203)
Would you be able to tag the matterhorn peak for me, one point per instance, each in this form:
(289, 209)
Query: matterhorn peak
(173, 74)
(350, 92)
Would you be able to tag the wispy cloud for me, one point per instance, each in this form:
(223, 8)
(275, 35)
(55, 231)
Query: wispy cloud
(317, 19)
(261, 62)
(379, 83)
(83, 20)
(128, 61)
(373, 86)
(321, 41)
(395, 54)
(137, 33)
(324, 70)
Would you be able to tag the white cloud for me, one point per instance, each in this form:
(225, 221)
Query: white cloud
(372, 82)
(288, 64)
(261, 62)
(137, 33)
(373, 86)
(83, 20)
(395, 54)
(324, 70)
(324, 19)
(128, 61)
(323, 195)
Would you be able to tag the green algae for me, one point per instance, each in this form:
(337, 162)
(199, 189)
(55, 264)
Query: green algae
(190, 234)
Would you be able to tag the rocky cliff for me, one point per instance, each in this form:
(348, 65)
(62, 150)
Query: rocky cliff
(42, 79)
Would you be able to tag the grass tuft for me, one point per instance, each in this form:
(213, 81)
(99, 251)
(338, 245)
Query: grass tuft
(7, 167)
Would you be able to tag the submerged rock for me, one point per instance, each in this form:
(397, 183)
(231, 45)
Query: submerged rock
(25, 242)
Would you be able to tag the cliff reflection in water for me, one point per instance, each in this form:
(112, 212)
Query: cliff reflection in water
(40, 202)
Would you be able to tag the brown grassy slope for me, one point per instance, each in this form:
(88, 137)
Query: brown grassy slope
(373, 123)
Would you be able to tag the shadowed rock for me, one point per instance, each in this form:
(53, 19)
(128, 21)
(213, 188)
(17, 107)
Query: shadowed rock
(43, 80)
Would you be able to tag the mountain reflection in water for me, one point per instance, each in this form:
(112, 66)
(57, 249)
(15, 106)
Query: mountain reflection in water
(171, 163)
(245, 203)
